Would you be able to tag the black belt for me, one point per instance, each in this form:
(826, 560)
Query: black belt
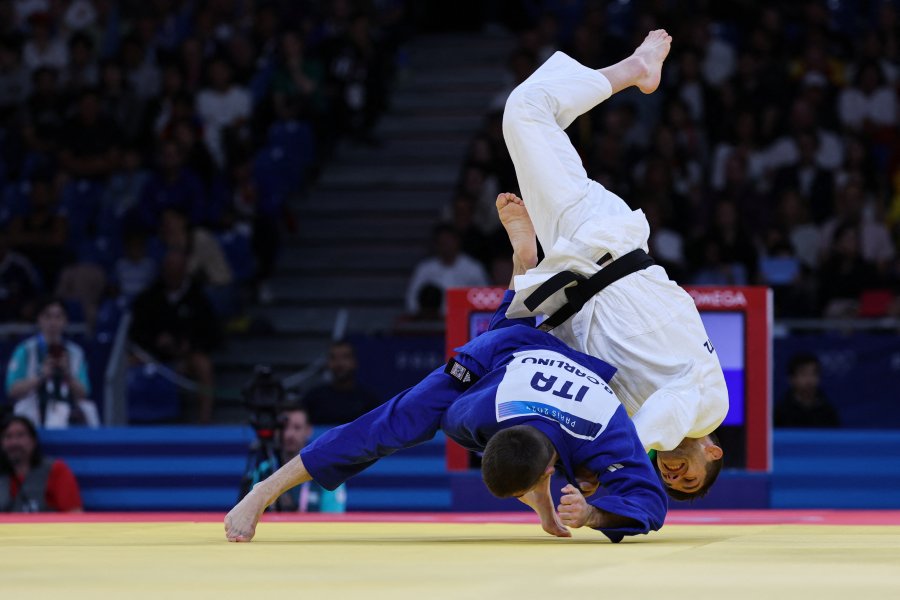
(585, 287)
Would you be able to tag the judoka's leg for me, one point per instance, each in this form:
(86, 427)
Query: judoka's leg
(550, 173)
(410, 418)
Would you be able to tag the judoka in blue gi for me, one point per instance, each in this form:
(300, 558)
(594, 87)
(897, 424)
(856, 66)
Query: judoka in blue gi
(531, 404)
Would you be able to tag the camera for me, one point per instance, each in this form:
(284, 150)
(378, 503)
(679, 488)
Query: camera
(264, 398)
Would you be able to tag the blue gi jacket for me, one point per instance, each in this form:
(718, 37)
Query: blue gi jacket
(524, 377)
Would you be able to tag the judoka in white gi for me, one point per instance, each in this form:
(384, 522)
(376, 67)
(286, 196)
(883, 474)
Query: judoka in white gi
(669, 379)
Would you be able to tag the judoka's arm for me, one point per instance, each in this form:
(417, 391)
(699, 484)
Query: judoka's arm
(408, 419)
(669, 415)
(636, 502)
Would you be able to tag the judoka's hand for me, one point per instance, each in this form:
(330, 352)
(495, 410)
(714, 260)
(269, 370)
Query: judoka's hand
(574, 511)
(240, 523)
(587, 481)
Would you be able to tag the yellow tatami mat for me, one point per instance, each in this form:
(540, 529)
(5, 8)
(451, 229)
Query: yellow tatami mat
(325, 560)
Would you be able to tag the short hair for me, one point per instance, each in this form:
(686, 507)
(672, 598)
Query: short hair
(802, 359)
(713, 468)
(48, 301)
(515, 459)
(442, 228)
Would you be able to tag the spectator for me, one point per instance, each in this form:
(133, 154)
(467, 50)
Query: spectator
(358, 70)
(429, 319)
(120, 103)
(297, 82)
(14, 80)
(81, 72)
(19, 284)
(47, 377)
(295, 432)
(785, 151)
(135, 271)
(876, 245)
(81, 286)
(123, 192)
(666, 244)
(175, 323)
(29, 481)
(472, 240)
(173, 186)
(869, 104)
(844, 274)
(223, 105)
(90, 141)
(44, 113)
(805, 404)
(448, 268)
(40, 234)
(43, 49)
(814, 183)
(206, 261)
(342, 399)
(141, 70)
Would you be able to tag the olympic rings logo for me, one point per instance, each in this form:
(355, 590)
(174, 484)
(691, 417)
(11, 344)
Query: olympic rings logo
(485, 298)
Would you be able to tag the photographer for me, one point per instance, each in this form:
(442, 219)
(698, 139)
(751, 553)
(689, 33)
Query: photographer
(47, 376)
(293, 435)
(282, 432)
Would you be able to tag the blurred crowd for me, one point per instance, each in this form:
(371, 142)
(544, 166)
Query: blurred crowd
(769, 155)
(149, 151)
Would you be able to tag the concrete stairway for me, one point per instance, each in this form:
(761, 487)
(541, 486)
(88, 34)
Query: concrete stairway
(368, 219)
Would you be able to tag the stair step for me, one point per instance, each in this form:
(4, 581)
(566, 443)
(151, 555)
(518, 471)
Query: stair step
(333, 233)
(341, 257)
(471, 101)
(321, 320)
(438, 148)
(358, 289)
(430, 124)
(367, 227)
(291, 354)
(374, 175)
(460, 52)
(489, 75)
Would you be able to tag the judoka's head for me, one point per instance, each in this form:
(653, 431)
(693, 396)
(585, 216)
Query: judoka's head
(690, 469)
(517, 460)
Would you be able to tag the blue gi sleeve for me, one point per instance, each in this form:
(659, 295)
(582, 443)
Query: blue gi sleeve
(409, 418)
(499, 320)
(632, 486)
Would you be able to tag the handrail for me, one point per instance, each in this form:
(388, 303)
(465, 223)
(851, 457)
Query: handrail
(8, 329)
(115, 405)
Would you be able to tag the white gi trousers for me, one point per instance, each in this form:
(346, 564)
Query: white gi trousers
(669, 380)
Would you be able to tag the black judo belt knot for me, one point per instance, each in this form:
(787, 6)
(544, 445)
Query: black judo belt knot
(585, 287)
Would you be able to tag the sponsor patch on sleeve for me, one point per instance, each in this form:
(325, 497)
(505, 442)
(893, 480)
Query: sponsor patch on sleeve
(455, 370)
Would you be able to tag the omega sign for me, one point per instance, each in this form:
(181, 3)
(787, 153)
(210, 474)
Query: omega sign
(720, 298)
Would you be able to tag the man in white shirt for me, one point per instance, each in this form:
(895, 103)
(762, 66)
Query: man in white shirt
(221, 106)
(670, 380)
(450, 267)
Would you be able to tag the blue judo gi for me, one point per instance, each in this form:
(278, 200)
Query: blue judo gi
(513, 374)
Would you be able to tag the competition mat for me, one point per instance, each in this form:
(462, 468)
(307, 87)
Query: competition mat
(767, 555)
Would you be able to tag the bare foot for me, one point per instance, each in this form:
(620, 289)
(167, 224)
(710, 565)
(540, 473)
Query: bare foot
(652, 52)
(519, 228)
(241, 521)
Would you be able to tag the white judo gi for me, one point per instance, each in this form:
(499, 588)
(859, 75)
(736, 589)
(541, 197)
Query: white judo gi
(669, 379)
